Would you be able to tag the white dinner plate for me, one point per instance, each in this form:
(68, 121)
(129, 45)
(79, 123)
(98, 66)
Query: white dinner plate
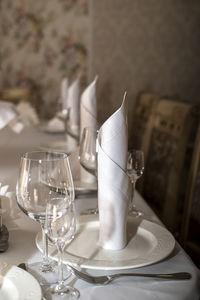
(17, 284)
(148, 243)
(81, 188)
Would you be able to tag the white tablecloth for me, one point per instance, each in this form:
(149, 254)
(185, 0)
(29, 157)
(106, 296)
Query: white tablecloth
(22, 230)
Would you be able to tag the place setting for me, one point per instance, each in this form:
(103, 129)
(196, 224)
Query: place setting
(118, 236)
(101, 244)
(113, 238)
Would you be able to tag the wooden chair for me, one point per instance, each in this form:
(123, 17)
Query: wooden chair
(16, 95)
(144, 110)
(143, 116)
(190, 233)
(166, 152)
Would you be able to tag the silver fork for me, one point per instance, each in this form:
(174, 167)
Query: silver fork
(108, 278)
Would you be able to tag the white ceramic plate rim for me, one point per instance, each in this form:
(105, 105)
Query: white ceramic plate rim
(25, 284)
(164, 244)
(84, 186)
(81, 188)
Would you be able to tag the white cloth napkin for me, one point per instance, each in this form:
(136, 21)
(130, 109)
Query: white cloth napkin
(113, 183)
(7, 113)
(4, 193)
(16, 125)
(88, 118)
(54, 125)
(27, 114)
(64, 92)
(73, 102)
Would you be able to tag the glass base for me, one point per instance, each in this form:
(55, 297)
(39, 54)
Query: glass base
(63, 291)
(46, 267)
(49, 275)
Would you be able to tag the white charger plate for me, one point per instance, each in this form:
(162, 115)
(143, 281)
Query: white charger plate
(17, 284)
(148, 243)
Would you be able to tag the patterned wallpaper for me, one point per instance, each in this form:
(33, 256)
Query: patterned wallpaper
(145, 45)
(134, 45)
(41, 42)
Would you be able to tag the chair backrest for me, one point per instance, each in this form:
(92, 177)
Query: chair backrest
(143, 116)
(16, 95)
(166, 152)
(190, 234)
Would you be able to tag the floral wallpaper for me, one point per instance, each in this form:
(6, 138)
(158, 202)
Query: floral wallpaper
(41, 42)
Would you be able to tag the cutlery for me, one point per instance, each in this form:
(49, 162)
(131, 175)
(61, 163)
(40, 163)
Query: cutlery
(108, 278)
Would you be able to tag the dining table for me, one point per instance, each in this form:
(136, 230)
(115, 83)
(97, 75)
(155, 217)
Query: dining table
(23, 231)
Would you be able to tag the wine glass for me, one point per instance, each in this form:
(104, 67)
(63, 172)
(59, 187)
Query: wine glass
(60, 228)
(88, 150)
(39, 171)
(88, 154)
(135, 169)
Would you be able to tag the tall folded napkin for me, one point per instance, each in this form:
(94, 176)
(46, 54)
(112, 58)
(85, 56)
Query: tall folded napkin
(73, 102)
(113, 183)
(64, 92)
(88, 118)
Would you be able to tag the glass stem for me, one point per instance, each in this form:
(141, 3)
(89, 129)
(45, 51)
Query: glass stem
(45, 248)
(132, 204)
(60, 264)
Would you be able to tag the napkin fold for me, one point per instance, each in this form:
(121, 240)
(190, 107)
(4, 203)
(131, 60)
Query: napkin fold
(27, 114)
(7, 113)
(73, 102)
(88, 118)
(55, 125)
(113, 183)
(64, 92)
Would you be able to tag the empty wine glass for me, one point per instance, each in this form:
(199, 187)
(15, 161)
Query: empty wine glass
(60, 228)
(135, 169)
(39, 171)
(88, 154)
(88, 150)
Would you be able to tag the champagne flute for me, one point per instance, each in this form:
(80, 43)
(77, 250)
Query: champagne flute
(135, 169)
(60, 228)
(88, 154)
(40, 170)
